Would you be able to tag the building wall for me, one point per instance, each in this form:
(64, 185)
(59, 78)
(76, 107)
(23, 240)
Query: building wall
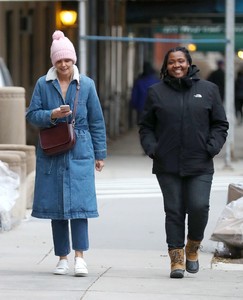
(25, 37)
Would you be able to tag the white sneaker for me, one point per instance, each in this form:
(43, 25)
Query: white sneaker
(80, 267)
(62, 267)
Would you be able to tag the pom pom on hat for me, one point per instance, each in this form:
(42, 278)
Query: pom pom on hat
(62, 48)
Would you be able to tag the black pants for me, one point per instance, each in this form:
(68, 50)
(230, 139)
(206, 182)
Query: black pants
(185, 195)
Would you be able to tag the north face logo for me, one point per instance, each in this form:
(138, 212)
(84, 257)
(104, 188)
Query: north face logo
(198, 96)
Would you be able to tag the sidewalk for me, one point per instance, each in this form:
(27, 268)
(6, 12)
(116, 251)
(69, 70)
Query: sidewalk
(27, 261)
(126, 259)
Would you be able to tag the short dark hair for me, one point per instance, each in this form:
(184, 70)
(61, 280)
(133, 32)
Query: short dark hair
(220, 63)
(163, 70)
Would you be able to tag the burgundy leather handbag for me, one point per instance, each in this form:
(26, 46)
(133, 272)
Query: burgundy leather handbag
(60, 138)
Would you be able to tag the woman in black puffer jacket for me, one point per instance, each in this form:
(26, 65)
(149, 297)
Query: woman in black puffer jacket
(182, 128)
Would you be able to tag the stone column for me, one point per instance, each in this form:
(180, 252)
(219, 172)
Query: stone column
(12, 115)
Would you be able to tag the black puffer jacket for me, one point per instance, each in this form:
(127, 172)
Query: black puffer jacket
(183, 125)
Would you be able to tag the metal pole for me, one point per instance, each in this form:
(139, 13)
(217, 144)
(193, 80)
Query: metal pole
(229, 78)
(92, 61)
(150, 40)
(82, 32)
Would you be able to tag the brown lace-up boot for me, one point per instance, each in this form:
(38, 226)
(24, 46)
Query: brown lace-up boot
(177, 263)
(192, 264)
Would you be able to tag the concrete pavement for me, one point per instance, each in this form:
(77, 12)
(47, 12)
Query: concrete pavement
(128, 256)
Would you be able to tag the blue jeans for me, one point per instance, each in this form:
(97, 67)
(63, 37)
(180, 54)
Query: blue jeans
(185, 195)
(79, 234)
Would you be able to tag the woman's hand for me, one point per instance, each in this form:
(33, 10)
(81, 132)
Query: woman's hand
(99, 164)
(59, 113)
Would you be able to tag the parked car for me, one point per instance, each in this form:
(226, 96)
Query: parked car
(5, 77)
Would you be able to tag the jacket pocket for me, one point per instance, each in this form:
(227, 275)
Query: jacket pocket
(83, 148)
(212, 150)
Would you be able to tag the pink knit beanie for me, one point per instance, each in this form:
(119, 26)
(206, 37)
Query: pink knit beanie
(62, 48)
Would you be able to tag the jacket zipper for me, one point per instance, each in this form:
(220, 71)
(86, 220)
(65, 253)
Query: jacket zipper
(181, 131)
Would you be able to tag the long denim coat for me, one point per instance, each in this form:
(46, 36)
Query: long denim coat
(65, 184)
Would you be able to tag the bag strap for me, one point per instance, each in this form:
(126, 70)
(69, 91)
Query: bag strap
(75, 104)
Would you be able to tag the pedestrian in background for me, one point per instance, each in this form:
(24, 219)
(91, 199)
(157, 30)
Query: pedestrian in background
(239, 97)
(140, 87)
(64, 184)
(218, 77)
(183, 126)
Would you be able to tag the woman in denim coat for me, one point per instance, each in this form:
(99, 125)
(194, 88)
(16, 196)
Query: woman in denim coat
(65, 183)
